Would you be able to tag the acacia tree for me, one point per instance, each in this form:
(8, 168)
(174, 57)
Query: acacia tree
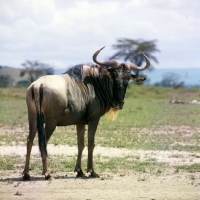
(34, 69)
(129, 49)
(6, 80)
(171, 79)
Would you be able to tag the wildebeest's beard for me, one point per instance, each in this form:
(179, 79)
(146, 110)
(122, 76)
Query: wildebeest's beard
(121, 77)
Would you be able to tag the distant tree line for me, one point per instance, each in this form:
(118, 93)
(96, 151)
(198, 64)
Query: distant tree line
(32, 69)
(35, 69)
(126, 49)
(170, 79)
(5, 80)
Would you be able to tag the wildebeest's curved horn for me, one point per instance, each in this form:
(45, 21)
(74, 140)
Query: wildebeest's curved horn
(111, 63)
(132, 66)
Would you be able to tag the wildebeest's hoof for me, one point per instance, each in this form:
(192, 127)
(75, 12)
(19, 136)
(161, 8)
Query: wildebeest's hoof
(80, 173)
(93, 175)
(48, 177)
(26, 177)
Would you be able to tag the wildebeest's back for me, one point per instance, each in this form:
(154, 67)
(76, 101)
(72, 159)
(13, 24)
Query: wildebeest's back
(64, 101)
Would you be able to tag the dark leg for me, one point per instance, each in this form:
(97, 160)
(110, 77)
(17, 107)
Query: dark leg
(91, 135)
(80, 141)
(49, 128)
(30, 138)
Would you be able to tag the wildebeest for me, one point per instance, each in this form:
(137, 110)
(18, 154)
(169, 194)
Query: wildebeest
(80, 97)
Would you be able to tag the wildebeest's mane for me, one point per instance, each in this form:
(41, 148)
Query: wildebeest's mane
(102, 83)
(76, 72)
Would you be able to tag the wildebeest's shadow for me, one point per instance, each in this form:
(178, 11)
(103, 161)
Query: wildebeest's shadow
(42, 178)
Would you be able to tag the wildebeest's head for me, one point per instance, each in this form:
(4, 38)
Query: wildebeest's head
(121, 75)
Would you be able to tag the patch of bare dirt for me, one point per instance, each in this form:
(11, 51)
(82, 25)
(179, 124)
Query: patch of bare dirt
(172, 158)
(170, 187)
(8, 129)
(134, 185)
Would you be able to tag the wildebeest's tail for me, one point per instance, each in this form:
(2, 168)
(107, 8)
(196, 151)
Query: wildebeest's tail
(38, 96)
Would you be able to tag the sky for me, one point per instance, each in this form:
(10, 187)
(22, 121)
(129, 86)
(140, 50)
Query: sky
(64, 33)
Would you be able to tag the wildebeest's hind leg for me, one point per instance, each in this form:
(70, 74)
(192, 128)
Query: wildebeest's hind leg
(30, 138)
(80, 142)
(49, 128)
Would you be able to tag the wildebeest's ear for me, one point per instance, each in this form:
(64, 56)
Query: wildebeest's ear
(137, 79)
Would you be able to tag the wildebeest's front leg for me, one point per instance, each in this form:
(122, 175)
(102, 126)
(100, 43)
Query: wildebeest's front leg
(92, 127)
(80, 142)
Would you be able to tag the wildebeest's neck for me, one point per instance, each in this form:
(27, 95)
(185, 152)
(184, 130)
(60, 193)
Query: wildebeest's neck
(103, 85)
(97, 77)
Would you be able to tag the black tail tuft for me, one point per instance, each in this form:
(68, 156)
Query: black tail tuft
(41, 135)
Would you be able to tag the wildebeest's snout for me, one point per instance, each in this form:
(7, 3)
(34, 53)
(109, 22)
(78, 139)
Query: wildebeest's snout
(118, 106)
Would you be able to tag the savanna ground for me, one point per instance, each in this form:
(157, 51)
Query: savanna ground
(151, 151)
